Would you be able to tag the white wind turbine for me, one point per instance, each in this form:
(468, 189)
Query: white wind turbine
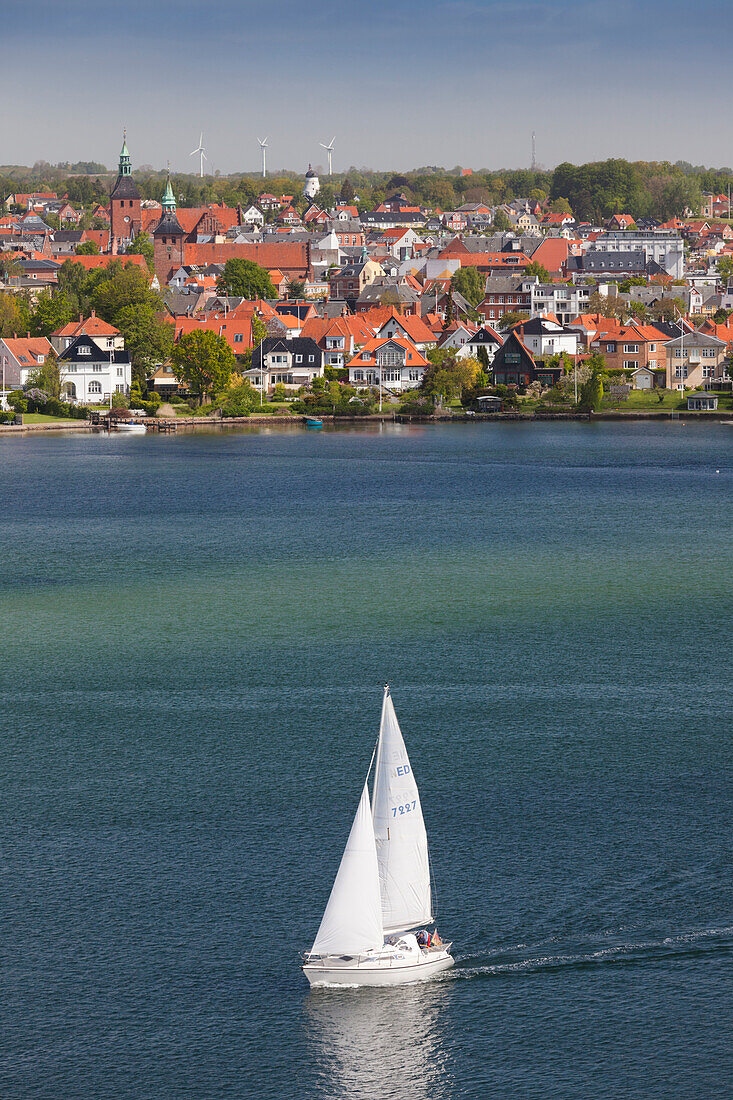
(200, 150)
(263, 147)
(329, 150)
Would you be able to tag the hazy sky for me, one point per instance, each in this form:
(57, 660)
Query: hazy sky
(401, 84)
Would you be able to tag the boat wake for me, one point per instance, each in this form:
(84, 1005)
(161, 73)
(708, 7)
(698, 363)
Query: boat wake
(535, 959)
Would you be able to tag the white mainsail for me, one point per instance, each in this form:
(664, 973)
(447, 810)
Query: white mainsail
(399, 831)
(352, 921)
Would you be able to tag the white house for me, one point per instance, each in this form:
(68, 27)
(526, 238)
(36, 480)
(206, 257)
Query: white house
(252, 216)
(92, 373)
(543, 337)
(565, 300)
(281, 361)
(485, 338)
(395, 364)
(18, 357)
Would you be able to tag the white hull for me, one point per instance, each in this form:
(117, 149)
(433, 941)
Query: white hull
(140, 428)
(381, 969)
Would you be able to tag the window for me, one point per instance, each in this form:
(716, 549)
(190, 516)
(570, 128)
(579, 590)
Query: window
(97, 368)
(95, 386)
(633, 348)
(358, 375)
(630, 364)
(311, 358)
(298, 358)
(708, 370)
(414, 375)
(610, 347)
(110, 342)
(652, 347)
(84, 350)
(678, 353)
(708, 353)
(120, 372)
(71, 368)
(680, 370)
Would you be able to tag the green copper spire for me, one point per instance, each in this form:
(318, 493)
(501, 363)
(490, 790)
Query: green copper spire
(125, 165)
(169, 199)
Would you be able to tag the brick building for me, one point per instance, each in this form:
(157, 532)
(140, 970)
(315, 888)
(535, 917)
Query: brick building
(124, 212)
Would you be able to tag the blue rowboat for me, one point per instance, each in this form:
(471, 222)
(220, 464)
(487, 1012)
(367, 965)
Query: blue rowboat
(313, 422)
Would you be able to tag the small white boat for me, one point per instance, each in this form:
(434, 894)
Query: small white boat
(130, 426)
(381, 894)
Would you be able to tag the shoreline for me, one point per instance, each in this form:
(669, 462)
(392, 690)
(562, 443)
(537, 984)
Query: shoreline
(456, 418)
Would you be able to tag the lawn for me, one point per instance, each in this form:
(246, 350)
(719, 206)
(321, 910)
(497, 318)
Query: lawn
(42, 418)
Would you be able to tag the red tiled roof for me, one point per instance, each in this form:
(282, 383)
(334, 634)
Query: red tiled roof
(288, 256)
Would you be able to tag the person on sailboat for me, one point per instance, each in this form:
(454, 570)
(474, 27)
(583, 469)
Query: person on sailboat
(423, 937)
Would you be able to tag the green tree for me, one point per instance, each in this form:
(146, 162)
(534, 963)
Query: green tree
(469, 282)
(448, 375)
(347, 191)
(239, 400)
(203, 361)
(561, 206)
(50, 314)
(14, 314)
(591, 392)
(725, 269)
(245, 279)
(148, 338)
(512, 318)
(143, 246)
(535, 268)
(501, 222)
(295, 289)
(87, 248)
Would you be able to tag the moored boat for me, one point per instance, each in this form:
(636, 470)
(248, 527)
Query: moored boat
(313, 422)
(375, 928)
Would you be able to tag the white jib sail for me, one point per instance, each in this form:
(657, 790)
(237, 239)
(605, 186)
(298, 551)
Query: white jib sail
(399, 830)
(352, 921)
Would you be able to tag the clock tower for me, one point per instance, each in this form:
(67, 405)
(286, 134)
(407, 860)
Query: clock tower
(168, 237)
(124, 208)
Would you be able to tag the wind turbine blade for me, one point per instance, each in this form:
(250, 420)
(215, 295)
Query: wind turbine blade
(193, 153)
(332, 141)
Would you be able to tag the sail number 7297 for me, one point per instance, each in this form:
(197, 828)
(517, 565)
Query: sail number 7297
(406, 809)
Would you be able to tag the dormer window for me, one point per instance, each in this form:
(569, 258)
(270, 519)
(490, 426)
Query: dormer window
(85, 350)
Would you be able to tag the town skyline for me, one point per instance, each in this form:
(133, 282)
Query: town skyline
(561, 70)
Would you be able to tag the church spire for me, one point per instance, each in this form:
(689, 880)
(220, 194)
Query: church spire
(125, 160)
(168, 201)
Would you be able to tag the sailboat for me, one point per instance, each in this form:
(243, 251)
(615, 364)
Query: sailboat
(374, 930)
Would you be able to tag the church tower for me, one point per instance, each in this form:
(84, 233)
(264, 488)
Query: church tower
(168, 239)
(124, 207)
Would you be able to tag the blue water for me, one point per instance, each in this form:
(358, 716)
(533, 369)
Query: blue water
(195, 631)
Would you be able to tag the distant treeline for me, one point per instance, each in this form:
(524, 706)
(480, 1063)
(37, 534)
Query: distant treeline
(594, 191)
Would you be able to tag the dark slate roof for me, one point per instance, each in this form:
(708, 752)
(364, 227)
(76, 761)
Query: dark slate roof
(99, 355)
(125, 188)
(485, 336)
(299, 345)
(68, 236)
(614, 261)
(169, 225)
